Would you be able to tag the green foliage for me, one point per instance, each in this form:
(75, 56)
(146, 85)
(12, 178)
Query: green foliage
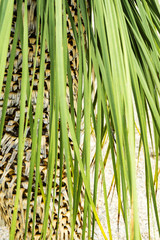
(123, 50)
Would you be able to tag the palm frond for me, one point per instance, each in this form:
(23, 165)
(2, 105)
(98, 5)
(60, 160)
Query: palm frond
(117, 42)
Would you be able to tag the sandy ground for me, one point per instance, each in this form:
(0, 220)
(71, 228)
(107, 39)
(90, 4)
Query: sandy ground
(113, 203)
(118, 231)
